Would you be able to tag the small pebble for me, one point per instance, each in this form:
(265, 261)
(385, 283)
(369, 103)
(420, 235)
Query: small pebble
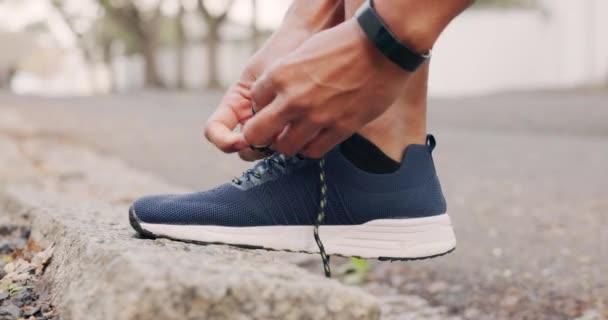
(7, 247)
(510, 301)
(471, 313)
(23, 304)
(10, 310)
(437, 286)
(30, 311)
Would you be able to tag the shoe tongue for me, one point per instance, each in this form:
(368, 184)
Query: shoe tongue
(262, 165)
(287, 160)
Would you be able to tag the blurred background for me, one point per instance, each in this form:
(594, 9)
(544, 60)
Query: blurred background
(519, 104)
(82, 47)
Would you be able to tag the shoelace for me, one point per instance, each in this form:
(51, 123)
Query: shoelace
(322, 198)
(321, 217)
(277, 159)
(268, 164)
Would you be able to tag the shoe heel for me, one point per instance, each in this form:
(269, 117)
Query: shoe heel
(393, 239)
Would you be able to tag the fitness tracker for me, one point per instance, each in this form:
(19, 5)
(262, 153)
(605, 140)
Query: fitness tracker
(386, 41)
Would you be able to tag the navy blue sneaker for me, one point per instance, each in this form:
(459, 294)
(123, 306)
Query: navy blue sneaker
(276, 205)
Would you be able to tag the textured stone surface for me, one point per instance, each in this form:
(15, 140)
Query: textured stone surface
(78, 200)
(524, 174)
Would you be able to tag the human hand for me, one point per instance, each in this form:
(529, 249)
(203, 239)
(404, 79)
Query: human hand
(235, 107)
(303, 19)
(322, 93)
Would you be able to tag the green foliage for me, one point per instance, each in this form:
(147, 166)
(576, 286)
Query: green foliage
(14, 289)
(114, 31)
(355, 271)
(168, 31)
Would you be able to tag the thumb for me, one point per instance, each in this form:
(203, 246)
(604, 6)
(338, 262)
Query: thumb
(223, 137)
(233, 110)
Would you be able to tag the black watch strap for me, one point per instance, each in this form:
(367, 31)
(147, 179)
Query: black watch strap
(386, 41)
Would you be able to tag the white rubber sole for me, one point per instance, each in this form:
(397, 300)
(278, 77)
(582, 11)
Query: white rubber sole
(412, 238)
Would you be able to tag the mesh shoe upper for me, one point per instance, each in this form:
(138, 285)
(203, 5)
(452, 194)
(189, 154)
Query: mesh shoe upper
(290, 196)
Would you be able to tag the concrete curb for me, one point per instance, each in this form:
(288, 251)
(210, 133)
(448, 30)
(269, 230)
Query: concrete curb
(78, 199)
(113, 276)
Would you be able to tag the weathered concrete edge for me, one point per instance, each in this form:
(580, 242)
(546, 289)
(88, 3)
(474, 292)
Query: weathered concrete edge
(94, 281)
(100, 271)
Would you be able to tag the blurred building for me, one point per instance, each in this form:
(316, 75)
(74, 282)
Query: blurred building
(556, 44)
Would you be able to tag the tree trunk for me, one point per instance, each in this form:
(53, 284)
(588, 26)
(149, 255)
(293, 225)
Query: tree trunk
(255, 31)
(180, 50)
(152, 77)
(106, 54)
(81, 45)
(213, 42)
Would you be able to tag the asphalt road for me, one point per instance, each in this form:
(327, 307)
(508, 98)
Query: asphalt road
(525, 176)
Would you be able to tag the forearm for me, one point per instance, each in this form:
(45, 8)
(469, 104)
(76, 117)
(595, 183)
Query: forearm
(303, 19)
(418, 23)
(314, 15)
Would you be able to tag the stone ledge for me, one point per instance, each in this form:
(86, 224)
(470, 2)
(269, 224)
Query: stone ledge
(99, 271)
(77, 199)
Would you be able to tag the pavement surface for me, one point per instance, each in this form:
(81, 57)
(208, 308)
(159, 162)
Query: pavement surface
(525, 176)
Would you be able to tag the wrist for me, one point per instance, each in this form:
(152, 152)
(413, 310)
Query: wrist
(367, 51)
(409, 22)
(419, 23)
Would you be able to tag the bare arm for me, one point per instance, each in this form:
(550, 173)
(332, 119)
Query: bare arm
(303, 19)
(337, 81)
(419, 23)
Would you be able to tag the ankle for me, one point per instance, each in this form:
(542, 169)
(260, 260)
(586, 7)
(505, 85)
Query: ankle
(393, 145)
(366, 156)
(392, 136)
